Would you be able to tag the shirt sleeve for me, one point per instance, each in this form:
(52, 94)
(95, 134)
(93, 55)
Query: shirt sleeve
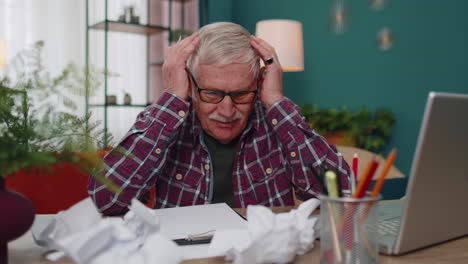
(141, 154)
(308, 154)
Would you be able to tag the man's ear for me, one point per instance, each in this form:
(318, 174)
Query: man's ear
(261, 77)
(191, 87)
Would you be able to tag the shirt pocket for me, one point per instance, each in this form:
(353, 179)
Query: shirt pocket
(143, 122)
(266, 168)
(186, 175)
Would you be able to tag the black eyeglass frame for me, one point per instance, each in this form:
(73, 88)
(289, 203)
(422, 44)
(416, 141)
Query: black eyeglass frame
(230, 94)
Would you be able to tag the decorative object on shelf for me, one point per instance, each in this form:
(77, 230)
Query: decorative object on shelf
(385, 39)
(129, 16)
(122, 17)
(111, 99)
(363, 129)
(286, 37)
(127, 99)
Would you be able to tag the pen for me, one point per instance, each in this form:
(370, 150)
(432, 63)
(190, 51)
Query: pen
(195, 239)
(355, 166)
(354, 178)
(186, 242)
(366, 178)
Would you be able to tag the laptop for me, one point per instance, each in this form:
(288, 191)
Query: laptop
(435, 207)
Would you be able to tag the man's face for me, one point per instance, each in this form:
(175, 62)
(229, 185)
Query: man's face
(225, 120)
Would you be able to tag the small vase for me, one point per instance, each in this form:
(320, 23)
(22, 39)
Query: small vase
(16, 217)
(127, 99)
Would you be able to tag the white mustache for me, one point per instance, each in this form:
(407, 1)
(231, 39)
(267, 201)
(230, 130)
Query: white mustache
(215, 116)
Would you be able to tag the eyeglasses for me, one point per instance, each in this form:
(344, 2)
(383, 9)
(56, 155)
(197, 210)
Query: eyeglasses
(216, 96)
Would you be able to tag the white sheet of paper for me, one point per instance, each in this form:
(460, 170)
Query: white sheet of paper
(179, 222)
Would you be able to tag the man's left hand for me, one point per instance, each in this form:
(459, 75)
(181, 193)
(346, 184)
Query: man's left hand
(271, 76)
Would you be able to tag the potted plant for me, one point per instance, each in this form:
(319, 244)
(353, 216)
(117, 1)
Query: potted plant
(38, 131)
(362, 129)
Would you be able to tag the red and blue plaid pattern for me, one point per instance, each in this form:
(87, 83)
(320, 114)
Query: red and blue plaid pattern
(277, 153)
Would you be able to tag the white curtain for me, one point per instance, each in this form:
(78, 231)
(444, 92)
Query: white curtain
(61, 24)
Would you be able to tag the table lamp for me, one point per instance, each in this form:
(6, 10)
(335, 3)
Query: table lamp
(286, 37)
(2, 53)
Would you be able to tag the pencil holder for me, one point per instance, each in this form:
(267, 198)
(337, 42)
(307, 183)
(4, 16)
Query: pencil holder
(348, 232)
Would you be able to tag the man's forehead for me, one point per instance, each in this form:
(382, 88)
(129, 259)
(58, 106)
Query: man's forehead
(236, 73)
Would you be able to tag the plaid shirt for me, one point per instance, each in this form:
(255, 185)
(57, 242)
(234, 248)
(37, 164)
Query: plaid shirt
(276, 152)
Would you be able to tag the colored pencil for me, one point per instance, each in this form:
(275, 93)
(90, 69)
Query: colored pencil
(388, 164)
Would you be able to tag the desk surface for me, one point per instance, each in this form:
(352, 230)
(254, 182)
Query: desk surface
(456, 251)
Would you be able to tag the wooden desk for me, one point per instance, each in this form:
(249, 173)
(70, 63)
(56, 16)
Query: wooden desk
(456, 251)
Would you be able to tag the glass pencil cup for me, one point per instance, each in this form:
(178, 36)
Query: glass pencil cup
(348, 230)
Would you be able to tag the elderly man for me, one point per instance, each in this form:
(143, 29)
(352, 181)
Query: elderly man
(221, 132)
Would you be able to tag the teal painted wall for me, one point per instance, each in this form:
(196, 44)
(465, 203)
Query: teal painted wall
(430, 53)
(220, 10)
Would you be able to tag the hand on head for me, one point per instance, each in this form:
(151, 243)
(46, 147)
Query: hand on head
(271, 75)
(175, 76)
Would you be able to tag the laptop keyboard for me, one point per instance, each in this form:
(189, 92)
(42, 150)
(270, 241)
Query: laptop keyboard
(389, 227)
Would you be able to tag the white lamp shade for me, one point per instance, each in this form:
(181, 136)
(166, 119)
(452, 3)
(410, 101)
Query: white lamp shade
(2, 53)
(286, 37)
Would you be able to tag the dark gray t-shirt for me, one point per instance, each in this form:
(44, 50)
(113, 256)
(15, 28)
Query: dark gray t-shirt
(222, 158)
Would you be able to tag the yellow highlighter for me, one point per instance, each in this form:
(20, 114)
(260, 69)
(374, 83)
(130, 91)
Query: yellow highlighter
(333, 212)
(332, 184)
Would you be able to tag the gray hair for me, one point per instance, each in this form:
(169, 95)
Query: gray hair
(224, 43)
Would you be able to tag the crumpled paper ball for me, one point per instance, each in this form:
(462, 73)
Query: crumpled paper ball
(271, 238)
(82, 234)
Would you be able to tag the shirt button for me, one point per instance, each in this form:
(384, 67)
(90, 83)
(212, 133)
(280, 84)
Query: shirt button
(181, 113)
(269, 170)
(178, 176)
(274, 121)
(158, 151)
(207, 166)
(293, 154)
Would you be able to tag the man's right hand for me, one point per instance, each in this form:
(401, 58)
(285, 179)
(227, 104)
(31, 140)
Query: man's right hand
(174, 72)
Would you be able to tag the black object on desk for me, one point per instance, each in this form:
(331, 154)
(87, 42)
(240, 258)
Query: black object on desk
(187, 242)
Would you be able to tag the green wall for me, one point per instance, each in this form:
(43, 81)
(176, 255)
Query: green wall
(430, 53)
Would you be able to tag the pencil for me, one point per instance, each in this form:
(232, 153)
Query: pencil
(388, 164)
(378, 185)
